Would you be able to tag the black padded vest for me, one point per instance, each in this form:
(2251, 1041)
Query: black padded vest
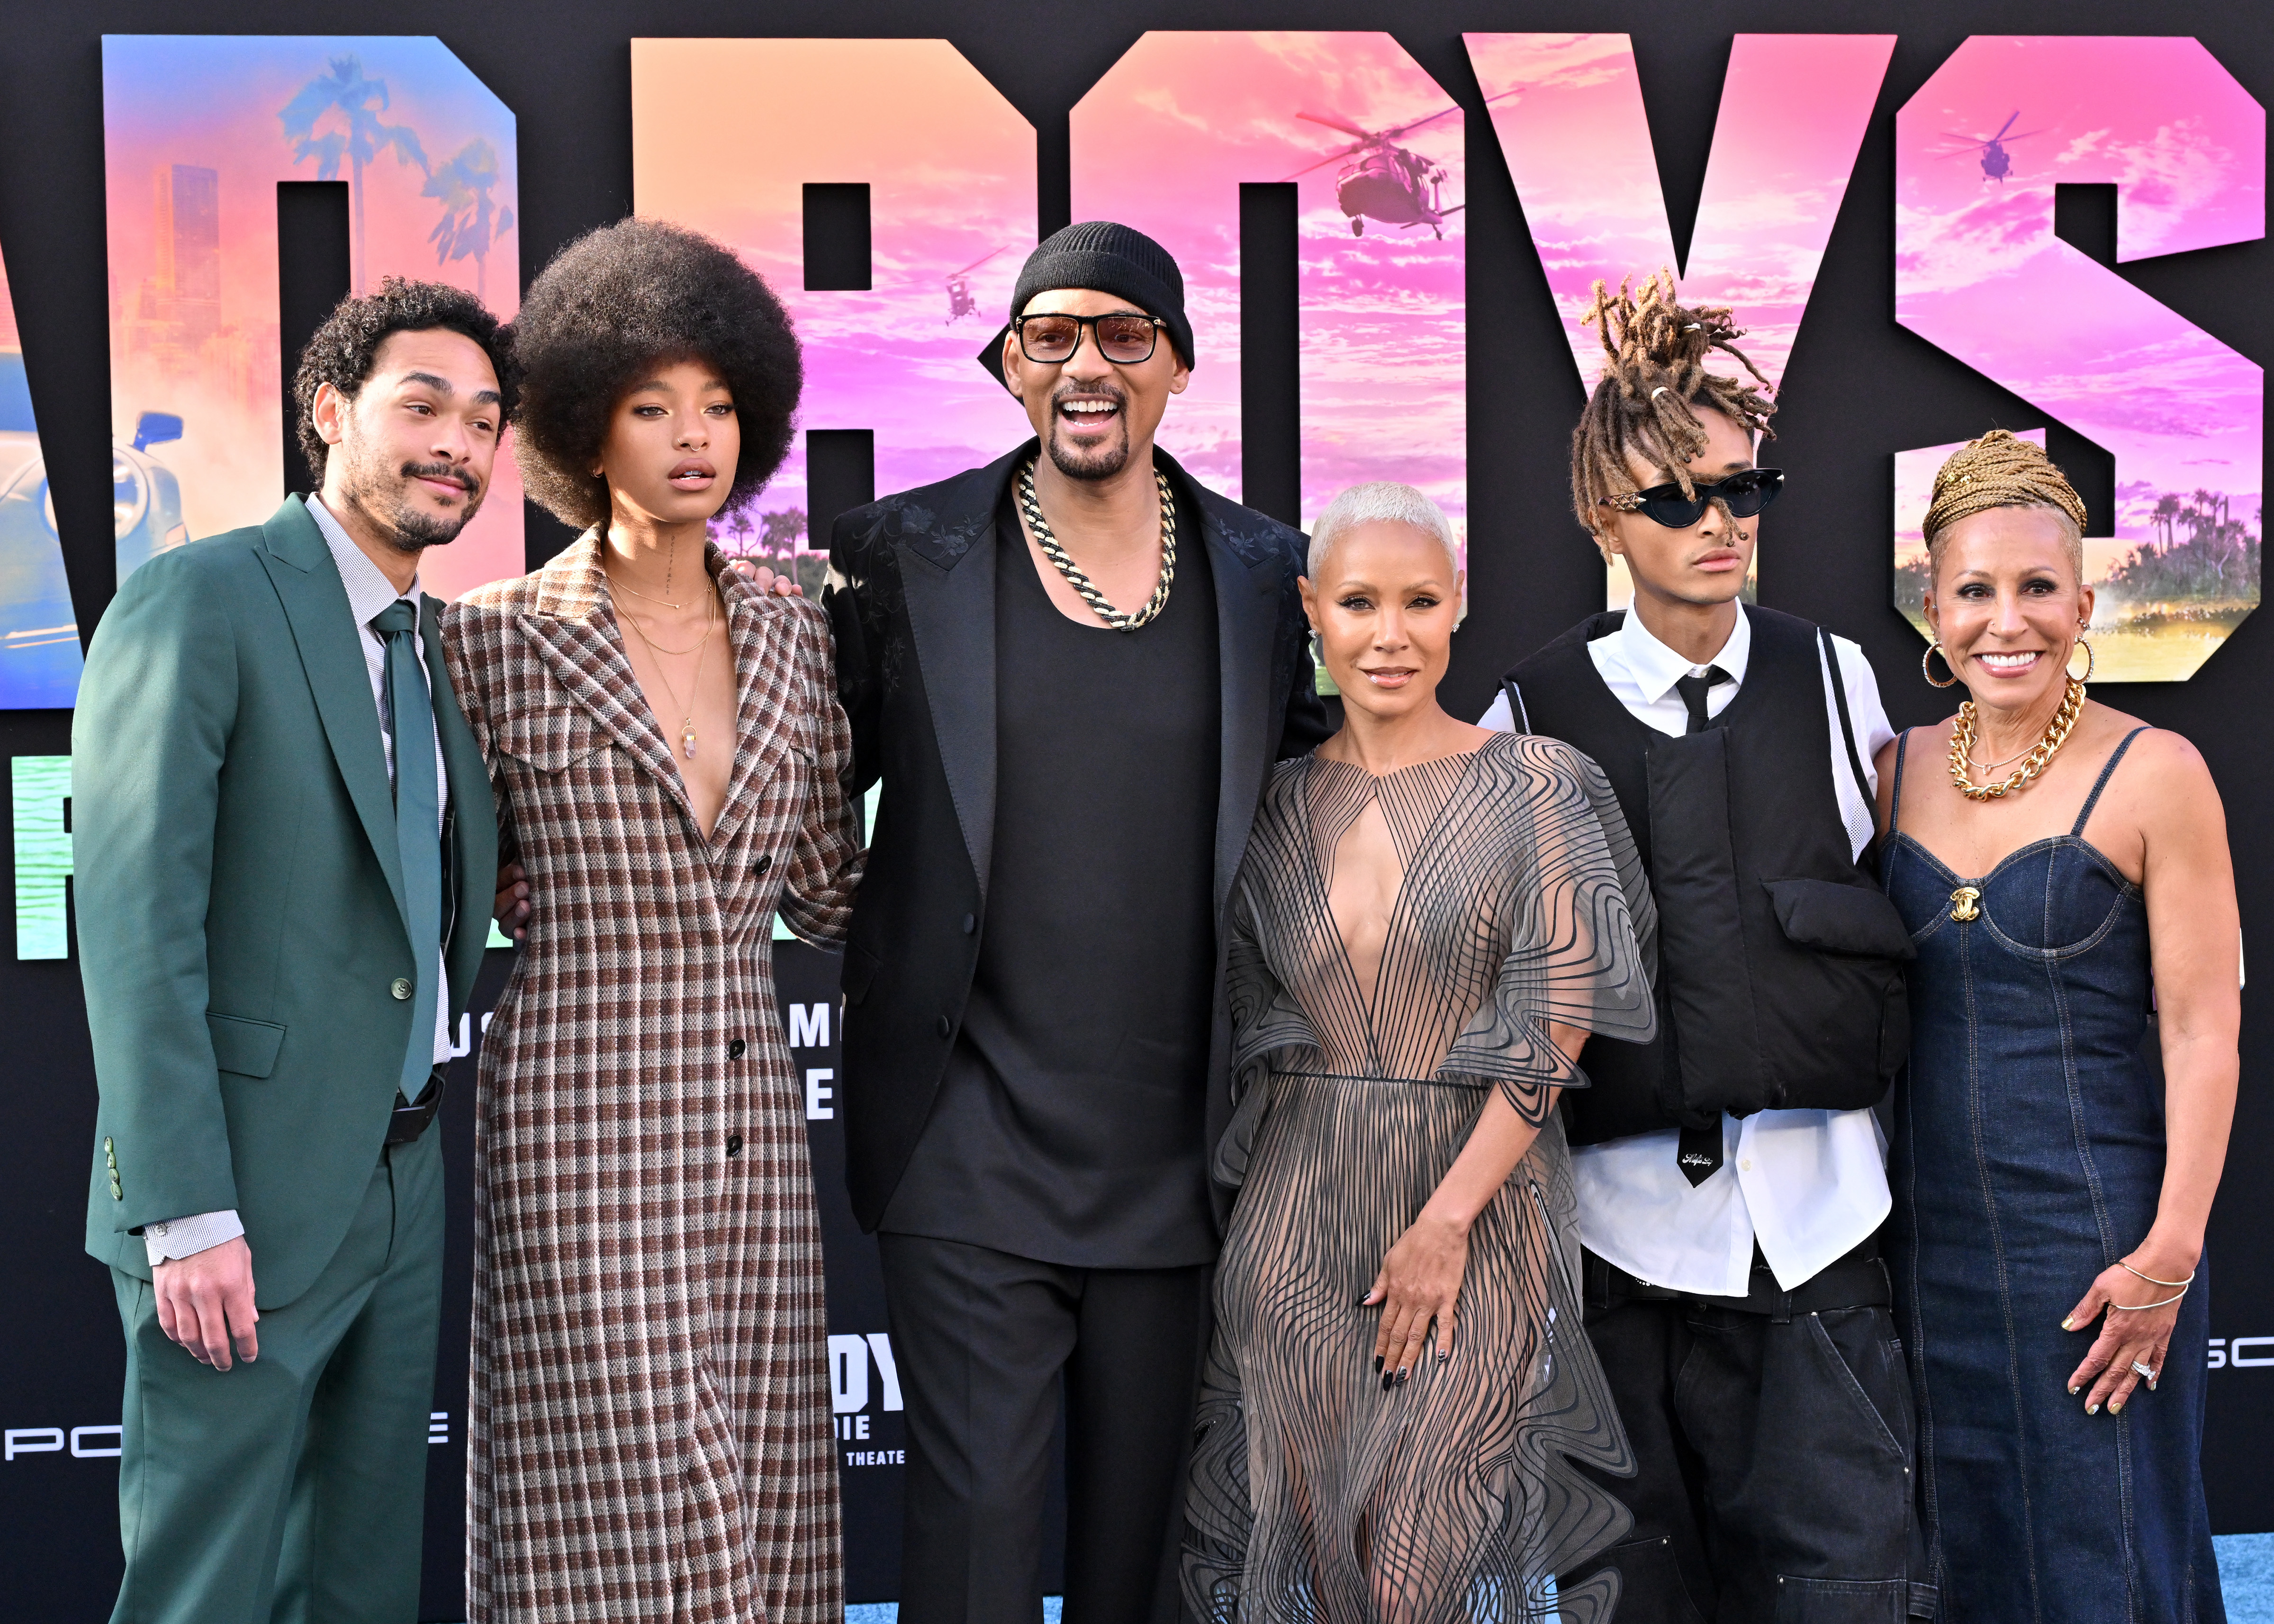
(1781, 980)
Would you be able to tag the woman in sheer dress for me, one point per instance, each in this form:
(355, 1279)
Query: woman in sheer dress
(1430, 921)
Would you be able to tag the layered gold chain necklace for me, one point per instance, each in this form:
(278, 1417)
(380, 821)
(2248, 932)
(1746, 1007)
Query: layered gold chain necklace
(1040, 527)
(2056, 734)
(701, 650)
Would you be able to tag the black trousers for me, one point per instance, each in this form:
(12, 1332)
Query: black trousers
(984, 1339)
(1775, 1451)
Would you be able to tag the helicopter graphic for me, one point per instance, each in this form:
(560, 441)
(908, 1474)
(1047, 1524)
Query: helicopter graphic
(1997, 163)
(960, 302)
(1383, 182)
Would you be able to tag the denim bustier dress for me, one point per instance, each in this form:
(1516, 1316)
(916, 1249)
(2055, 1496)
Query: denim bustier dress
(2028, 1157)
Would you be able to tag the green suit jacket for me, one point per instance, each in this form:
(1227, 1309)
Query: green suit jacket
(239, 897)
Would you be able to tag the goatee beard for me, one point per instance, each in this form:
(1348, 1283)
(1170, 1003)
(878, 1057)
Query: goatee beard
(407, 528)
(1101, 463)
(413, 531)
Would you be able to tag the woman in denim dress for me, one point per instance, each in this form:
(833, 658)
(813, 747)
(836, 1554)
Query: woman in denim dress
(2064, 870)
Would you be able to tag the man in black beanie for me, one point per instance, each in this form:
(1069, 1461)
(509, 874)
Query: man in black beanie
(1072, 669)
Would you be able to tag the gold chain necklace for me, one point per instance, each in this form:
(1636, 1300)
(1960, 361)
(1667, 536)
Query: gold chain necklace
(670, 564)
(626, 586)
(1975, 766)
(1066, 567)
(700, 651)
(2056, 734)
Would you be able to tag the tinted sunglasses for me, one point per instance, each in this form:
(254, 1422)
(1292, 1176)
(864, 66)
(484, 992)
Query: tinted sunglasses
(1123, 339)
(1744, 494)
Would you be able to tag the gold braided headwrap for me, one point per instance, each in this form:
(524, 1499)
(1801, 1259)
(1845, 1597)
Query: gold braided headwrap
(1998, 471)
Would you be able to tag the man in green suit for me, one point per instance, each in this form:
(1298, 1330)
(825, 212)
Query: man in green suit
(284, 847)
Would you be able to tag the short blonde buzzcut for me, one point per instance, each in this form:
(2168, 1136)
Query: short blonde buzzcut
(1383, 501)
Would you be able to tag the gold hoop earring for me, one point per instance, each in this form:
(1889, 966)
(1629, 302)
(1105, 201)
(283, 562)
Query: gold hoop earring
(2089, 662)
(1933, 649)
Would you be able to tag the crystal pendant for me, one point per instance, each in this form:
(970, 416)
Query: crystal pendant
(687, 741)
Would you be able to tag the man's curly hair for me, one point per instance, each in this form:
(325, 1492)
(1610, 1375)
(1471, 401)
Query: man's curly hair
(610, 307)
(346, 347)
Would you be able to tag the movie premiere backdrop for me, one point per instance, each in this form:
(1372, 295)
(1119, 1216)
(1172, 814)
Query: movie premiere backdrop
(1390, 237)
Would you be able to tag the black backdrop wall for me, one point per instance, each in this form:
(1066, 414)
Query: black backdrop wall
(1858, 387)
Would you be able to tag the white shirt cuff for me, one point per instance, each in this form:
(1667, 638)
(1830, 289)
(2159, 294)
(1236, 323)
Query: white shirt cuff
(183, 1237)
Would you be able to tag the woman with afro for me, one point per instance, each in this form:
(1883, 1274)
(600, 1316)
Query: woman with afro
(651, 1435)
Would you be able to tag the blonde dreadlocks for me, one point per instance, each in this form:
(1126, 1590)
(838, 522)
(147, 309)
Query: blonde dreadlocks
(1648, 398)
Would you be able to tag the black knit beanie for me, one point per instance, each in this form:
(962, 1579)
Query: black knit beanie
(1111, 258)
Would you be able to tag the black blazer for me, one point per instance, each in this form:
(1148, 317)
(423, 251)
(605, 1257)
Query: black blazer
(913, 606)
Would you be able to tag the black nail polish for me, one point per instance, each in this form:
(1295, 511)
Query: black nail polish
(1401, 1375)
(1362, 1300)
(1387, 1381)
(1377, 1365)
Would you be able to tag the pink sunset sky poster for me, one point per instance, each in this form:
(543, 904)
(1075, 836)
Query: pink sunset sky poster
(194, 322)
(39, 662)
(1163, 141)
(1567, 109)
(950, 166)
(1980, 274)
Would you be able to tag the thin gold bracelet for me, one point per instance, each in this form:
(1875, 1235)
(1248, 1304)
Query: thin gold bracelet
(2135, 1308)
(2151, 1280)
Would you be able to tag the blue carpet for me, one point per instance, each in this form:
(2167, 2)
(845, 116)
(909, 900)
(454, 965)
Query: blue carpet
(885, 1611)
(2246, 1570)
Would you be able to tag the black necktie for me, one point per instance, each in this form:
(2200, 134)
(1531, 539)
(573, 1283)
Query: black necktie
(1697, 1151)
(1693, 691)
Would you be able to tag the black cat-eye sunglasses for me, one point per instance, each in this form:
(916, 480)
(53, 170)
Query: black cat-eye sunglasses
(1744, 494)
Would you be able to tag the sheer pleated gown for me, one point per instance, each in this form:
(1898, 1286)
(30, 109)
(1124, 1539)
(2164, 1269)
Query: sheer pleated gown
(1317, 1495)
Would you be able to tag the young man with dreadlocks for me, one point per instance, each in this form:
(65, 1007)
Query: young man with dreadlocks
(1730, 1175)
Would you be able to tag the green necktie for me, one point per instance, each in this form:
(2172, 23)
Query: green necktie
(417, 822)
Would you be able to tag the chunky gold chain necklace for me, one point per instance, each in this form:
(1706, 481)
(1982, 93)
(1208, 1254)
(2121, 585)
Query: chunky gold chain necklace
(2056, 734)
(1082, 583)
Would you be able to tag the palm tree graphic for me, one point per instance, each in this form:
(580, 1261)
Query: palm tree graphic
(469, 225)
(361, 100)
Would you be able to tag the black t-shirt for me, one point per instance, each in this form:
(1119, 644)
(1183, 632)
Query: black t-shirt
(1069, 1124)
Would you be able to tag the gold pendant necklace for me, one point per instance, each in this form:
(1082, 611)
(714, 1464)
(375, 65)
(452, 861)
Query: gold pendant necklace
(2056, 734)
(700, 651)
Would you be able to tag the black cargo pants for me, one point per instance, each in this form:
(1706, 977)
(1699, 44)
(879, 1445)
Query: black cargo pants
(1773, 1433)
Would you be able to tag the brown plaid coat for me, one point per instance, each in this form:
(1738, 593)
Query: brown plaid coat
(650, 1430)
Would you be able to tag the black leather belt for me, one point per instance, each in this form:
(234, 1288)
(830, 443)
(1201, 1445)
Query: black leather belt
(1858, 1280)
(410, 1121)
